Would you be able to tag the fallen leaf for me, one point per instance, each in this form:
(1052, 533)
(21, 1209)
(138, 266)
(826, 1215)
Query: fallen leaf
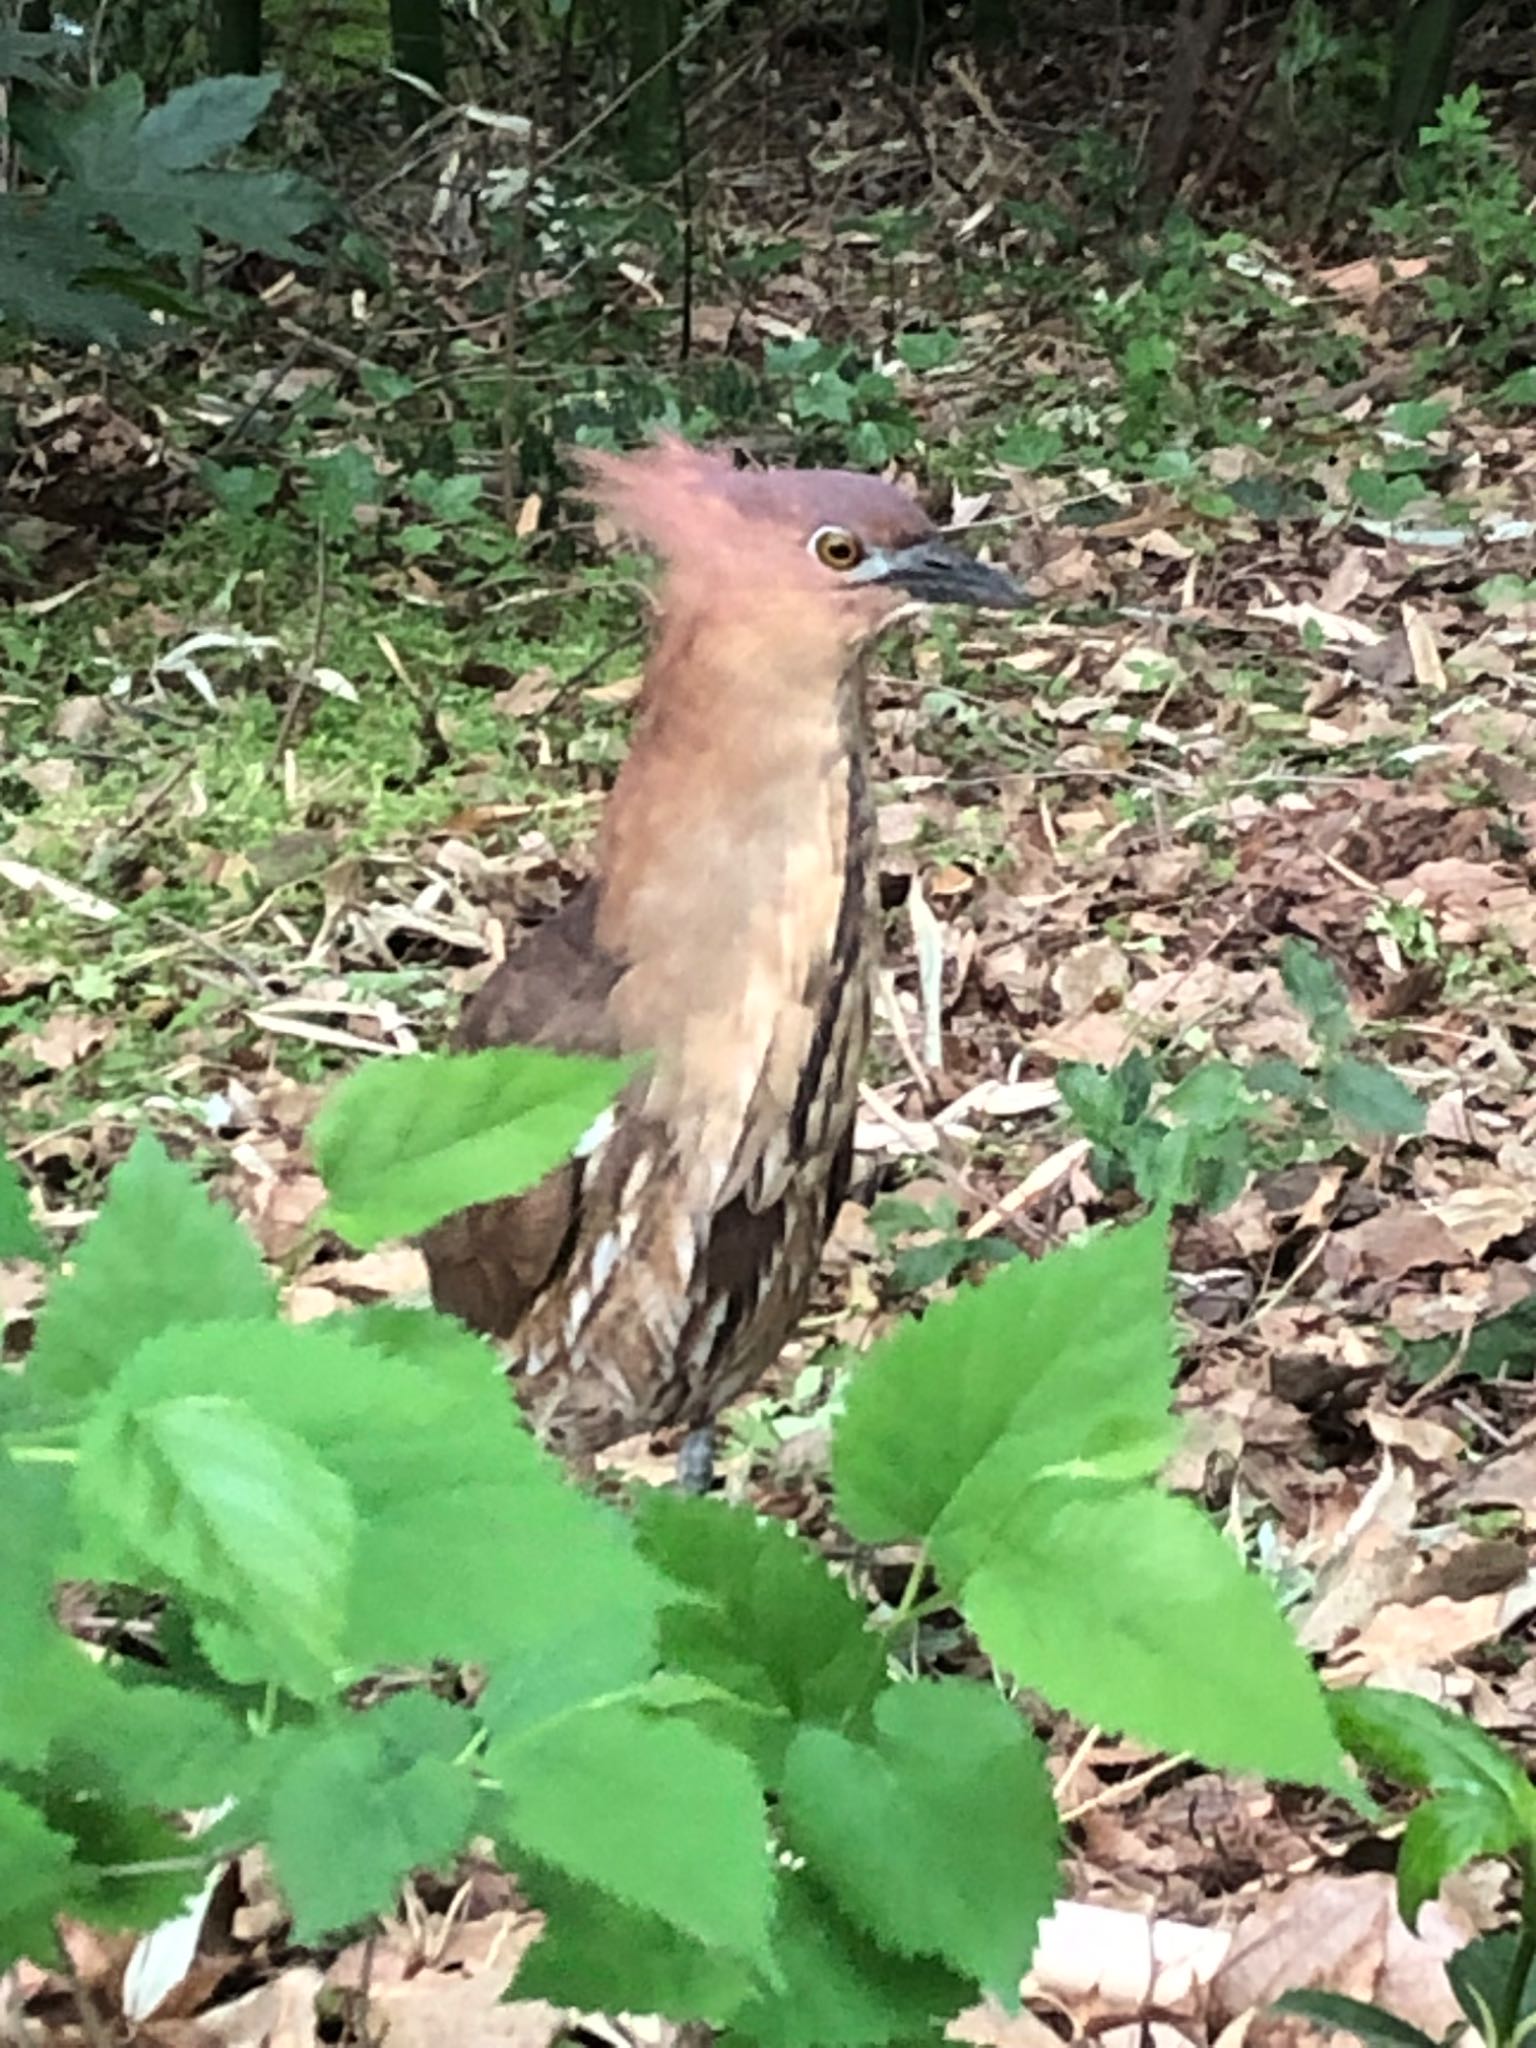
(1343, 1934)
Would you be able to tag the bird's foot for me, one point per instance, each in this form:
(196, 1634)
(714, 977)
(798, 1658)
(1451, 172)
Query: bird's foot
(696, 1461)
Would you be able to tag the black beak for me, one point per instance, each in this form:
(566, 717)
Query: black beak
(936, 573)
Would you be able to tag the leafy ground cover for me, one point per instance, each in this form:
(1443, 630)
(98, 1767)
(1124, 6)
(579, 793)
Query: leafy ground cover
(301, 701)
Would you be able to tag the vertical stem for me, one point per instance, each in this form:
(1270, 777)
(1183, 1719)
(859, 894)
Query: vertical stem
(1525, 1948)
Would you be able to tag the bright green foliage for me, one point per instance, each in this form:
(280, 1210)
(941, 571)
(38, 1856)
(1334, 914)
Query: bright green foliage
(1201, 1139)
(692, 1744)
(1041, 1397)
(34, 1873)
(158, 1254)
(358, 1809)
(202, 1492)
(842, 1988)
(768, 1624)
(955, 1784)
(1131, 1610)
(1482, 1802)
(404, 1142)
(644, 1807)
(1071, 1356)
(20, 1237)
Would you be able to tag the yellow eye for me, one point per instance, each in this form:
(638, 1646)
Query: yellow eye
(836, 548)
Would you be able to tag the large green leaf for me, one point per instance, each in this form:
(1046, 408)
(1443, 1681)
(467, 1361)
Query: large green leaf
(159, 1253)
(1443, 1834)
(940, 1835)
(403, 1143)
(201, 1492)
(357, 1809)
(652, 1811)
(841, 1988)
(597, 1953)
(1126, 1607)
(143, 171)
(1070, 1356)
(767, 1621)
(408, 1413)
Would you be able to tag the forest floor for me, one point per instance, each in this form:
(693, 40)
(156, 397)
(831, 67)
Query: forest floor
(310, 685)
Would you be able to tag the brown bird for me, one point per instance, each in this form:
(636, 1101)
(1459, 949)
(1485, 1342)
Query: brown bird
(725, 935)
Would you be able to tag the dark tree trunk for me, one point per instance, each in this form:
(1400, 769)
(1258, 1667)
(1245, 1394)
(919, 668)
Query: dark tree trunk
(234, 36)
(652, 28)
(1196, 39)
(416, 39)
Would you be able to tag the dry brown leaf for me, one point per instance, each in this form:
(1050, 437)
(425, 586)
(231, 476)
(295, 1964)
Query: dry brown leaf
(1088, 974)
(1432, 1443)
(1403, 1639)
(1344, 1934)
(1398, 1241)
(278, 2014)
(1368, 277)
(68, 1037)
(1481, 1215)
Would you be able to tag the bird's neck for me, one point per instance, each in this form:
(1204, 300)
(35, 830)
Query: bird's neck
(728, 846)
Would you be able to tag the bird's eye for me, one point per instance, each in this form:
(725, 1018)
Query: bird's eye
(836, 548)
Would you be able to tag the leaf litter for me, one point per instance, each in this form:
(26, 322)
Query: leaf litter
(1096, 829)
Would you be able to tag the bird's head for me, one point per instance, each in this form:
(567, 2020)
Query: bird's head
(855, 548)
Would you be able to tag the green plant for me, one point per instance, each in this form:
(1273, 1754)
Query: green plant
(692, 1745)
(1463, 193)
(130, 196)
(1480, 1803)
(943, 1251)
(1200, 1140)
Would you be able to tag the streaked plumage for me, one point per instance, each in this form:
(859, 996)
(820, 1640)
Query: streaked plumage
(654, 1279)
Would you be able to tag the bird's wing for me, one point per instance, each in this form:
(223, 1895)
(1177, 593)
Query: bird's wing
(488, 1263)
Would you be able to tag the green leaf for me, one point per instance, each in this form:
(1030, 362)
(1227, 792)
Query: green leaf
(199, 122)
(770, 1623)
(940, 1836)
(1372, 1098)
(355, 1812)
(407, 1411)
(1430, 1748)
(20, 1237)
(1071, 1355)
(140, 170)
(1109, 1599)
(841, 1989)
(56, 277)
(1444, 1833)
(159, 1253)
(651, 1811)
(1502, 1347)
(1372, 2024)
(403, 1143)
(41, 1669)
(1480, 1975)
(34, 1872)
(201, 1492)
(149, 1745)
(1317, 989)
(596, 1953)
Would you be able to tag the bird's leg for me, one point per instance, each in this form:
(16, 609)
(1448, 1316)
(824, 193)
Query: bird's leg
(696, 1461)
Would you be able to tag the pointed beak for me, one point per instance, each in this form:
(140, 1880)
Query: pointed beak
(936, 573)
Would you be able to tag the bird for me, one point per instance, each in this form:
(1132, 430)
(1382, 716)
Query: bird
(725, 940)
